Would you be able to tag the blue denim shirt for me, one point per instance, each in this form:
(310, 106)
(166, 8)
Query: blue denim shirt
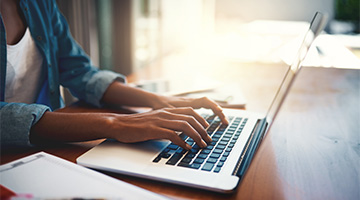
(65, 63)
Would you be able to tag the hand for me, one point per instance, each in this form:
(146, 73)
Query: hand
(136, 97)
(204, 102)
(157, 124)
(160, 124)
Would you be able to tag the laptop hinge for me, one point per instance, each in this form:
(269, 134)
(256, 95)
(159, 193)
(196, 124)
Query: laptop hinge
(250, 148)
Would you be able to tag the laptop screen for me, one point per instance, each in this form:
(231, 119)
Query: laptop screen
(316, 26)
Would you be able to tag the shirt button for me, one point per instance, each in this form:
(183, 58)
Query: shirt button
(39, 38)
(26, 9)
(52, 92)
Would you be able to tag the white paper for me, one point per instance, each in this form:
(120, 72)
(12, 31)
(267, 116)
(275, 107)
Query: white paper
(48, 177)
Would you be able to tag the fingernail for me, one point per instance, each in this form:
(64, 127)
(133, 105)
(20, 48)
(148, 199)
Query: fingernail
(226, 121)
(203, 144)
(188, 147)
(209, 138)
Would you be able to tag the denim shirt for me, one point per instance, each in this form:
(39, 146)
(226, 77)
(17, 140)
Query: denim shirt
(65, 63)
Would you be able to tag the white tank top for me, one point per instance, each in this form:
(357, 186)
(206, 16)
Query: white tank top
(24, 75)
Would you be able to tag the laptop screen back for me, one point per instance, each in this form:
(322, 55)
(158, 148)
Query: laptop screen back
(316, 26)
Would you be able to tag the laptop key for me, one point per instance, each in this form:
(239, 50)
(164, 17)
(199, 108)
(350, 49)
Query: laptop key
(174, 159)
(173, 146)
(203, 156)
(228, 135)
(213, 143)
(199, 160)
(181, 151)
(190, 155)
(182, 164)
(215, 155)
(205, 151)
(218, 151)
(209, 147)
(164, 155)
(216, 135)
(195, 166)
(219, 132)
(217, 169)
(186, 160)
(165, 150)
(157, 159)
(212, 160)
(220, 164)
(208, 166)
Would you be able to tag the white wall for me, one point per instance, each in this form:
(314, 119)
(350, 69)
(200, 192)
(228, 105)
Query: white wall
(294, 10)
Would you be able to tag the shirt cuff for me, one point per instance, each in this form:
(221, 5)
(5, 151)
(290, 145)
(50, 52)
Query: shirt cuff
(16, 120)
(99, 83)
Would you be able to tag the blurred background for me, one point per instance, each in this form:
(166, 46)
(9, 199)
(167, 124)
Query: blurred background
(189, 43)
(128, 35)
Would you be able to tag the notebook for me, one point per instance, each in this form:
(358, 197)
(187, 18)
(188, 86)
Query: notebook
(44, 176)
(222, 164)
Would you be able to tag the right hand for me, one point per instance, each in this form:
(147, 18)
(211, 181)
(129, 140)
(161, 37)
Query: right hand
(159, 124)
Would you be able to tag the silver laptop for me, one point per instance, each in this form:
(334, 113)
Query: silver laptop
(221, 165)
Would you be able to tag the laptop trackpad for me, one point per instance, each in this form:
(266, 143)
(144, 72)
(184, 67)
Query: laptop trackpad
(116, 155)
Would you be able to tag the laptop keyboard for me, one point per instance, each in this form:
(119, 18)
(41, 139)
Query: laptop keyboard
(211, 158)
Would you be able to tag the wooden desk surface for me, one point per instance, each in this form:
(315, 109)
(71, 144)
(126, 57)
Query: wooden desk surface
(311, 152)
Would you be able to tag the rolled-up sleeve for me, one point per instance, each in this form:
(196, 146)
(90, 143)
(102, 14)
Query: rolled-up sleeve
(98, 84)
(16, 120)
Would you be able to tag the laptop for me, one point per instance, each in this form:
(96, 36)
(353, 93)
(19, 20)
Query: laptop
(222, 164)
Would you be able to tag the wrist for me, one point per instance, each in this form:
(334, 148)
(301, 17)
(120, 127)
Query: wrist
(159, 101)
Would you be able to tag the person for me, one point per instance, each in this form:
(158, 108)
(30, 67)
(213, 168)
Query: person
(38, 54)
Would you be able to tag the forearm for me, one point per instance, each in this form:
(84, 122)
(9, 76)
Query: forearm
(121, 94)
(69, 127)
(158, 124)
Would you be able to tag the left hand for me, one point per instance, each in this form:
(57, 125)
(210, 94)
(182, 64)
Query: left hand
(204, 102)
(121, 94)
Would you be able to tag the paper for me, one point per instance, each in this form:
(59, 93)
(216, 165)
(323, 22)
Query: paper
(43, 176)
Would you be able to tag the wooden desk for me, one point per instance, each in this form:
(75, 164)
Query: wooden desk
(311, 152)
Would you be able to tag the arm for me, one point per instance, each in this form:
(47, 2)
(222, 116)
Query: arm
(158, 124)
(16, 120)
(91, 85)
(121, 94)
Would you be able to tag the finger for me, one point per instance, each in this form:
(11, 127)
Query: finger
(190, 111)
(185, 127)
(164, 133)
(208, 103)
(203, 102)
(177, 114)
(175, 138)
